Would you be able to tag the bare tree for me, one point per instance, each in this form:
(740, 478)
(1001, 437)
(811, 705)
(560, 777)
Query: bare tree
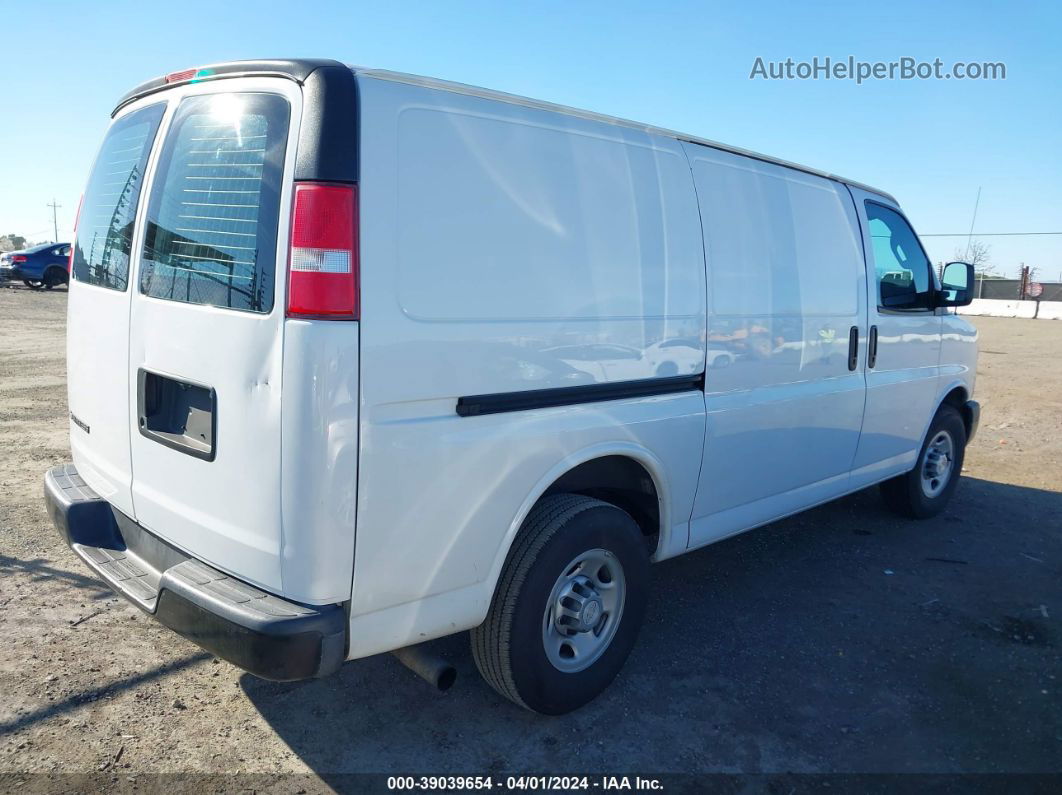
(978, 254)
(12, 243)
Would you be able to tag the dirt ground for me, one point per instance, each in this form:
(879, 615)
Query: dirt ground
(840, 640)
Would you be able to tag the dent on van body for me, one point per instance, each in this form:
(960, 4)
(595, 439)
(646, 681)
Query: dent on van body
(506, 249)
(319, 460)
(227, 511)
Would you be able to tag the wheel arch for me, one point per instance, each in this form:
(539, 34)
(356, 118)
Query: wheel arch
(622, 481)
(579, 470)
(956, 395)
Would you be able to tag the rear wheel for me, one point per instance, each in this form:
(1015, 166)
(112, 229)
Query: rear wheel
(925, 490)
(54, 277)
(568, 606)
(33, 284)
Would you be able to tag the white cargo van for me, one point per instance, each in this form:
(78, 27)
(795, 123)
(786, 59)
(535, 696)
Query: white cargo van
(360, 359)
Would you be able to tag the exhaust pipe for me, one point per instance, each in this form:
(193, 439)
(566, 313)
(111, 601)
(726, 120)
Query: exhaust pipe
(432, 668)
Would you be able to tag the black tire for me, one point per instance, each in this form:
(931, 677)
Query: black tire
(509, 647)
(33, 284)
(54, 277)
(905, 494)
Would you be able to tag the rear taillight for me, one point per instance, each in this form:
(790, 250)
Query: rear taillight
(323, 262)
(73, 238)
(18, 258)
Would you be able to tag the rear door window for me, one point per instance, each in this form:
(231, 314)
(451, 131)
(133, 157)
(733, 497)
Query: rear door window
(108, 209)
(215, 203)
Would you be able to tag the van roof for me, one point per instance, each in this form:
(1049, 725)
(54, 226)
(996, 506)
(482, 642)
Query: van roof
(299, 69)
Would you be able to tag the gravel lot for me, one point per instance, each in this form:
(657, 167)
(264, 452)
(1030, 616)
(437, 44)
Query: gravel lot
(841, 640)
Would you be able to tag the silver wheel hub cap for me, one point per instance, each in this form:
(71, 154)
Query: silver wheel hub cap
(938, 464)
(584, 610)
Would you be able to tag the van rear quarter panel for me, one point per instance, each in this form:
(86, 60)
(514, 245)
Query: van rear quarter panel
(503, 249)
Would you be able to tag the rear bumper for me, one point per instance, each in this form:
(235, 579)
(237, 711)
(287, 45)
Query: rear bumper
(261, 633)
(11, 275)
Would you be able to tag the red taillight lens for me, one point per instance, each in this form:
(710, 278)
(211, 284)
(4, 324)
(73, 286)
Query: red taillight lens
(73, 238)
(323, 263)
(18, 258)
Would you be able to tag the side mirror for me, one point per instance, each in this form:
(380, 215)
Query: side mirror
(956, 284)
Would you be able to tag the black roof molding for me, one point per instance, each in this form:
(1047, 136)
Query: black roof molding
(328, 135)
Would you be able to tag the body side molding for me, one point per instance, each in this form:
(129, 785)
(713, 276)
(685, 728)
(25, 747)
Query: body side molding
(499, 402)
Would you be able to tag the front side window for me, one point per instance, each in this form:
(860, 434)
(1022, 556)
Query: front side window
(215, 203)
(108, 209)
(903, 272)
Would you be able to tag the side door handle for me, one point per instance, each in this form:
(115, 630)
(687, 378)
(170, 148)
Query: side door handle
(872, 350)
(853, 347)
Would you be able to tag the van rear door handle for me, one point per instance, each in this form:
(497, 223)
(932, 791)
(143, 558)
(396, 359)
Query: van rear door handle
(177, 414)
(853, 347)
(872, 350)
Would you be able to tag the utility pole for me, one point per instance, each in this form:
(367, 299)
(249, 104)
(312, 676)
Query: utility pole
(55, 222)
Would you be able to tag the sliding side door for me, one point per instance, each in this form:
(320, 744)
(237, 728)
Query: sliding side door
(787, 321)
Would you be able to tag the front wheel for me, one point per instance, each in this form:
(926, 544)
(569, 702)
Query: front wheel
(568, 606)
(925, 490)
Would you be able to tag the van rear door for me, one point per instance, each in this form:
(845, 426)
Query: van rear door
(206, 325)
(178, 334)
(98, 305)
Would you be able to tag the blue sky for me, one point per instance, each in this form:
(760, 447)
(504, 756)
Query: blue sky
(682, 65)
